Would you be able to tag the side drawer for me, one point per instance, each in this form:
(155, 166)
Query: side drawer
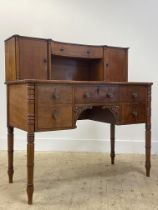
(133, 113)
(73, 50)
(133, 93)
(91, 94)
(53, 94)
(54, 118)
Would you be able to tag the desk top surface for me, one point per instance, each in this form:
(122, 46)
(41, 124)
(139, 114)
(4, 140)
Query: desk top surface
(72, 82)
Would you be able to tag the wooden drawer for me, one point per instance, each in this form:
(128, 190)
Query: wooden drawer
(133, 113)
(76, 50)
(133, 93)
(53, 94)
(55, 117)
(91, 94)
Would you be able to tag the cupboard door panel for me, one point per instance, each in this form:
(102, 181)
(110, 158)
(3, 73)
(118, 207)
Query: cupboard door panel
(115, 64)
(32, 58)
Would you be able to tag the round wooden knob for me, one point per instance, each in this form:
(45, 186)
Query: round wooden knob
(109, 95)
(56, 95)
(135, 114)
(55, 115)
(61, 49)
(87, 95)
(135, 95)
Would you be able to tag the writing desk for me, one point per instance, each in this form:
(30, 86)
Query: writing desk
(51, 85)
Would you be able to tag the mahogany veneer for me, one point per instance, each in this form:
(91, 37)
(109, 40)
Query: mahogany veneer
(51, 85)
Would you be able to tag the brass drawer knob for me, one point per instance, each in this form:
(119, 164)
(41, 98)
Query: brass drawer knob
(55, 115)
(135, 114)
(87, 95)
(56, 95)
(135, 95)
(88, 52)
(61, 49)
(109, 95)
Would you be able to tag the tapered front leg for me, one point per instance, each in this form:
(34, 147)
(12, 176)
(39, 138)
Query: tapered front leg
(112, 140)
(30, 166)
(148, 148)
(10, 153)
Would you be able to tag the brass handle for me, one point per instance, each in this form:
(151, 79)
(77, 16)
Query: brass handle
(55, 115)
(87, 95)
(109, 95)
(135, 114)
(135, 95)
(56, 95)
(61, 49)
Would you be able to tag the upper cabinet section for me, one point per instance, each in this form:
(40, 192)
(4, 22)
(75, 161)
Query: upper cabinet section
(36, 58)
(115, 64)
(26, 58)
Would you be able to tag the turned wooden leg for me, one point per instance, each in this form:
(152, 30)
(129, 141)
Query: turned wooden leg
(112, 139)
(10, 153)
(30, 166)
(148, 148)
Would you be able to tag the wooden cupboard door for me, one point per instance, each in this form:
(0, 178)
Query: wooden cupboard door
(33, 56)
(115, 64)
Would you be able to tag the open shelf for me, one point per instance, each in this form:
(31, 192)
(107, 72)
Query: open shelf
(79, 69)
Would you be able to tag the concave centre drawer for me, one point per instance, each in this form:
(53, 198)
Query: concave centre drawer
(91, 94)
(76, 50)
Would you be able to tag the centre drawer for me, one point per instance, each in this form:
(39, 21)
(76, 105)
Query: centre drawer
(53, 118)
(76, 50)
(53, 94)
(133, 113)
(101, 94)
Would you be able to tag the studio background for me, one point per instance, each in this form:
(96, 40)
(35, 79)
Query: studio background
(122, 23)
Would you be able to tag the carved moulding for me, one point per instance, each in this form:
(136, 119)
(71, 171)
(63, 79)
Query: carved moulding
(79, 109)
(114, 109)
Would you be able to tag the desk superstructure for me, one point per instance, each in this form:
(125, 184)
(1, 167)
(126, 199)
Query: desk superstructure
(51, 85)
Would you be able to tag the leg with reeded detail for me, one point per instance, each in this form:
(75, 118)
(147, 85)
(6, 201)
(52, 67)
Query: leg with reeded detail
(30, 166)
(147, 148)
(10, 153)
(112, 140)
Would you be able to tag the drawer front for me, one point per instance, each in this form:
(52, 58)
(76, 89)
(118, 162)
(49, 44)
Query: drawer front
(133, 113)
(95, 52)
(55, 117)
(91, 94)
(76, 50)
(54, 94)
(133, 93)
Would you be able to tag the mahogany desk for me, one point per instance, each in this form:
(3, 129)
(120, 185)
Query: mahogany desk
(51, 85)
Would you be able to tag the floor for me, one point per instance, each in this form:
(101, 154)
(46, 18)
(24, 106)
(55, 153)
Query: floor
(81, 181)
